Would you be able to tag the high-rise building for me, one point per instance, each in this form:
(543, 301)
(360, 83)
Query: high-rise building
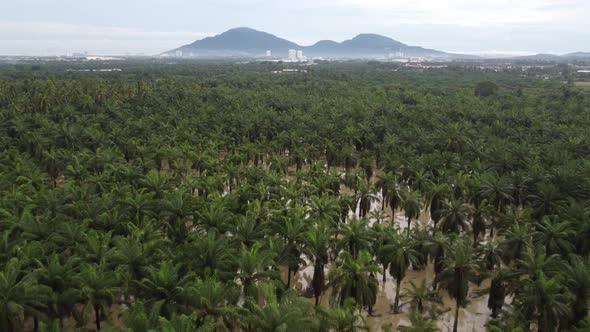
(299, 55)
(292, 54)
(268, 53)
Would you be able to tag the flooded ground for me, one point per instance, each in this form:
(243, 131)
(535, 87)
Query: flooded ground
(471, 318)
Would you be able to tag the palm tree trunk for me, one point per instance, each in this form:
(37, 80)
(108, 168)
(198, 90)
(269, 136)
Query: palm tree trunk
(318, 281)
(396, 304)
(434, 222)
(97, 313)
(456, 323)
(35, 324)
(288, 277)
(384, 274)
(409, 223)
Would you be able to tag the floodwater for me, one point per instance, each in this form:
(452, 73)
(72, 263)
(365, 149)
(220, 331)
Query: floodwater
(471, 318)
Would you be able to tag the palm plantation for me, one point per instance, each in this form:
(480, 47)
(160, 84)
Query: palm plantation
(221, 197)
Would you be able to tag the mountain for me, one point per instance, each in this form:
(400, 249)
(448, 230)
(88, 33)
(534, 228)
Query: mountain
(539, 57)
(585, 55)
(237, 42)
(368, 46)
(555, 57)
(246, 42)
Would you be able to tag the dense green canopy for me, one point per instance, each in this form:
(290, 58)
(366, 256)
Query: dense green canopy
(192, 196)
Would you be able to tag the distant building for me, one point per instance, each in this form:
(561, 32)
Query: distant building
(299, 55)
(269, 53)
(395, 55)
(293, 55)
(178, 54)
(290, 71)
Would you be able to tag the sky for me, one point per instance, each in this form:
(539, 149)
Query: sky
(120, 27)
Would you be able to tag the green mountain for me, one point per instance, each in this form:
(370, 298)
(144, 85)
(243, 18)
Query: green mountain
(246, 42)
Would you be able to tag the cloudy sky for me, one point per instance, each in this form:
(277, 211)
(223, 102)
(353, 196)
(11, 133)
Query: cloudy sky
(42, 27)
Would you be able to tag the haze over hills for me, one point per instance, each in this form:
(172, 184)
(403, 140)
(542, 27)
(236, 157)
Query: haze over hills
(246, 42)
(584, 56)
(578, 55)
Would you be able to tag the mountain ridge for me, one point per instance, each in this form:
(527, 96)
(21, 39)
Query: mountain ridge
(248, 42)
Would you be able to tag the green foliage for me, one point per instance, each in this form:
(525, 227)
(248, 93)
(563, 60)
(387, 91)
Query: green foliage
(215, 196)
(486, 89)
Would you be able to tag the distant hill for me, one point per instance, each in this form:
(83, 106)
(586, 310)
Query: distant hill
(246, 42)
(555, 57)
(585, 55)
(237, 42)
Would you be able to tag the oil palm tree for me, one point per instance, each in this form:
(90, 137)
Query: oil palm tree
(557, 237)
(422, 297)
(21, 295)
(460, 267)
(365, 197)
(165, 285)
(138, 318)
(156, 183)
(497, 190)
(178, 209)
(546, 200)
(577, 280)
(211, 298)
(401, 254)
(515, 242)
(291, 229)
(253, 268)
(139, 204)
(209, 256)
(342, 318)
(316, 248)
(355, 236)
(354, 278)
(98, 286)
(131, 258)
(419, 323)
(535, 261)
(479, 214)
(58, 277)
(411, 203)
(545, 301)
(325, 208)
(289, 314)
(454, 214)
(438, 193)
(491, 255)
(387, 183)
(497, 294)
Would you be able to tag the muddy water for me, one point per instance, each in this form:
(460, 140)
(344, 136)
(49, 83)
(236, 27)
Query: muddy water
(471, 318)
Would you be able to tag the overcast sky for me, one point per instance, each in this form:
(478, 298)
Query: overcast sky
(34, 27)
